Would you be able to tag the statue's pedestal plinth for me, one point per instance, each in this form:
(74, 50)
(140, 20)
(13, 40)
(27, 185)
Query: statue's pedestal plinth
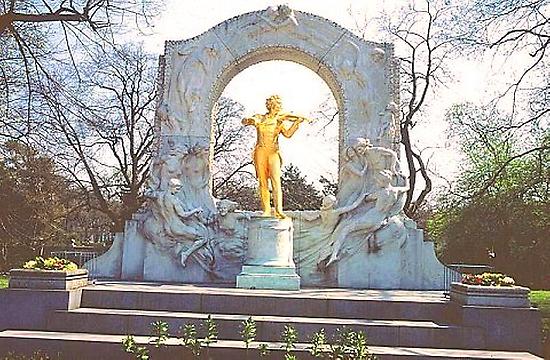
(269, 263)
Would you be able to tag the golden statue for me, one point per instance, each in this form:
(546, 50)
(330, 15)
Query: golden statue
(267, 159)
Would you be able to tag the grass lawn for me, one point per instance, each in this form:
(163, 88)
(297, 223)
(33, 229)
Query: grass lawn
(541, 299)
(3, 281)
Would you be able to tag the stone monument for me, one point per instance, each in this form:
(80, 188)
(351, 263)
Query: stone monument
(360, 238)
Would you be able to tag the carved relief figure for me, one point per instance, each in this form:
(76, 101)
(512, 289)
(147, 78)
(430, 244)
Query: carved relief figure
(195, 166)
(232, 227)
(378, 55)
(387, 129)
(346, 59)
(377, 158)
(381, 159)
(197, 66)
(362, 162)
(384, 199)
(195, 178)
(187, 85)
(172, 228)
(229, 220)
(353, 173)
(167, 119)
(329, 217)
(276, 16)
(392, 127)
(267, 159)
(171, 164)
(167, 165)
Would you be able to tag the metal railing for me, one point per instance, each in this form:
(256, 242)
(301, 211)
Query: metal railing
(453, 273)
(80, 258)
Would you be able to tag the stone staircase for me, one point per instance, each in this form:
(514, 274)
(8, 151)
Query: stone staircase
(398, 324)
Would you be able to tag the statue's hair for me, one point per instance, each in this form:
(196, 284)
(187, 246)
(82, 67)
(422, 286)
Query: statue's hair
(362, 142)
(330, 198)
(348, 152)
(227, 204)
(276, 98)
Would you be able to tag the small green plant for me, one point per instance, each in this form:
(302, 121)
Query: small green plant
(263, 350)
(358, 348)
(159, 332)
(318, 344)
(4, 281)
(349, 344)
(248, 333)
(346, 343)
(336, 347)
(190, 340)
(289, 337)
(130, 346)
(211, 331)
(211, 335)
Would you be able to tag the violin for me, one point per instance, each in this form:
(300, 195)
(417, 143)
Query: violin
(295, 118)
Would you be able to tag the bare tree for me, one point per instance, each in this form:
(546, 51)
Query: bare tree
(509, 28)
(101, 131)
(424, 45)
(37, 35)
(96, 14)
(232, 149)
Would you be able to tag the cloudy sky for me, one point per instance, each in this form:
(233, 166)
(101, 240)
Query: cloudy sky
(303, 91)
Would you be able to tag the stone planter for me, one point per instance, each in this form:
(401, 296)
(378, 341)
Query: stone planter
(497, 296)
(48, 279)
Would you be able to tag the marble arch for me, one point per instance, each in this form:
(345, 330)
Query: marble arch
(363, 239)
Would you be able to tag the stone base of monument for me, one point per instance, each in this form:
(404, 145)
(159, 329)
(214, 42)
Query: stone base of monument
(269, 263)
(268, 277)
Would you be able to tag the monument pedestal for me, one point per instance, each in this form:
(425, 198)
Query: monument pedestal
(269, 263)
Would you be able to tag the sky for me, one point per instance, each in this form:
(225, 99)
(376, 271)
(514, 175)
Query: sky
(303, 91)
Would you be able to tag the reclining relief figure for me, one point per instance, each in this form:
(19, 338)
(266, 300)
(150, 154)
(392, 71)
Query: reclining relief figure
(384, 199)
(372, 182)
(173, 229)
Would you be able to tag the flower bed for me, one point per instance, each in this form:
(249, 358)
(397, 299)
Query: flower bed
(52, 263)
(489, 289)
(488, 279)
(50, 273)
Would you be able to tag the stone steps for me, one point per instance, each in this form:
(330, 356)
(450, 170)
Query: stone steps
(269, 327)
(398, 324)
(84, 346)
(331, 303)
